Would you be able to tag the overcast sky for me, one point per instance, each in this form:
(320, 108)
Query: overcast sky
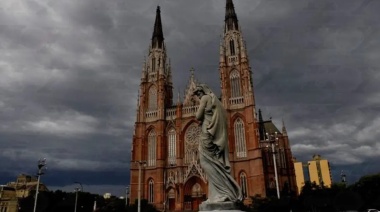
(70, 72)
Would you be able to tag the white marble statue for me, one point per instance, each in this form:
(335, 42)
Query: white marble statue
(213, 148)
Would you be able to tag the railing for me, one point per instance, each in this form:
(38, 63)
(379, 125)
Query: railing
(190, 110)
(171, 113)
(236, 100)
(151, 114)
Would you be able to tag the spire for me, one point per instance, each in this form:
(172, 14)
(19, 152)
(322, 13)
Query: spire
(261, 127)
(260, 116)
(231, 18)
(178, 98)
(158, 35)
(284, 132)
(192, 73)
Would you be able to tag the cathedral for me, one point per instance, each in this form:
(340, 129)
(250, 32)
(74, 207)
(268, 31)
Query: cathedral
(165, 166)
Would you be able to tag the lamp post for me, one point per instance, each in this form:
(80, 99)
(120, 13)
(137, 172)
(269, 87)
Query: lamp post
(272, 139)
(76, 195)
(126, 195)
(140, 163)
(41, 164)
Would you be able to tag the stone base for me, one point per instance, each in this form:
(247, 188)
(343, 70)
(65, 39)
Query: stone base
(219, 206)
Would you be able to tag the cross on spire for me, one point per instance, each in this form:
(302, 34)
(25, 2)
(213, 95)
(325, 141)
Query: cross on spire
(192, 71)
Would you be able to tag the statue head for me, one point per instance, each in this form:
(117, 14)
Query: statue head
(198, 91)
(201, 89)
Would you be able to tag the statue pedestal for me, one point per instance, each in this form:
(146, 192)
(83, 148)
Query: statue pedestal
(219, 207)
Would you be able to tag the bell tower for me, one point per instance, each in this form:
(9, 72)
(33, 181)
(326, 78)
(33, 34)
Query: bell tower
(156, 87)
(238, 99)
(149, 150)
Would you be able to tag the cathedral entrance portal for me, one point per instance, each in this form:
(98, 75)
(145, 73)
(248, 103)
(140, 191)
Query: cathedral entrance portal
(171, 199)
(195, 193)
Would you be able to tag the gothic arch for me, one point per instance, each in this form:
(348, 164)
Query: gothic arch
(151, 142)
(170, 125)
(151, 191)
(239, 132)
(171, 143)
(152, 98)
(184, 128)
(236, 116)
(150, 128)
(235, 83)
(188, 186)
(191, 142)
(243, 182)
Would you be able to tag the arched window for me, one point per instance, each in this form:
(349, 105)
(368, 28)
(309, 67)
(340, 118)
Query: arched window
(171, 146)
(235, 84)
(196, 190)
(152, 148)
(151, 191)
(191, 143)
(240, 145)
(244, 184)
(232, 47)
(153, 64)
(152, 101)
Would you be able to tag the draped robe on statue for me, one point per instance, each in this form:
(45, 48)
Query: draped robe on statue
(213, 149)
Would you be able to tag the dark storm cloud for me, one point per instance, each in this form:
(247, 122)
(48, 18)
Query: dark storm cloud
(70, 73)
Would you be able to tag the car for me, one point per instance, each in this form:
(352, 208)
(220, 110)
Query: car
(372, 210)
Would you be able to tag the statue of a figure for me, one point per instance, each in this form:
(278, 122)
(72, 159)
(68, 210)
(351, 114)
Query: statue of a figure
(213, 148)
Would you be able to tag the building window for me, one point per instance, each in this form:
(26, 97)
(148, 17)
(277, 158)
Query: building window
(235, 84)
(171, 146)
(283, 158)
(153, 64)
(196, 191)
(240, 145)
(244, 184)
(232, 47)
(152, 102)
(152, 148)
(191, 143)
(151, 191)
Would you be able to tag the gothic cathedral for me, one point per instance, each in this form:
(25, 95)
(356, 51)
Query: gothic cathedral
(165, 140)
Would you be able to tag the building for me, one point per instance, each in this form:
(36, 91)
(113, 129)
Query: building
(25, 185)
(8, 199)
(165, 141)
(300, 177)
(318, 171)
(284, 162)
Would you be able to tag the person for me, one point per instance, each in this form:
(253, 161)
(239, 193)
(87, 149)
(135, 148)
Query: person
(213, 148)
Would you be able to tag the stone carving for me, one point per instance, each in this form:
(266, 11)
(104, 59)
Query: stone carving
(213, 150)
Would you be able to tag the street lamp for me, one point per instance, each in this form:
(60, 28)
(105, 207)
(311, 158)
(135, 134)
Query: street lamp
(272, 139)
(41, 164)
(126, 195)
(141, 163)
(76, 195)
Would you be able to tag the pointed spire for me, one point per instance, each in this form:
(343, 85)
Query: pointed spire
(192, 72)
(158, 35)
(261, 127)
(284, 132)
(260, 116)
(231, 18)
(178, 98)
